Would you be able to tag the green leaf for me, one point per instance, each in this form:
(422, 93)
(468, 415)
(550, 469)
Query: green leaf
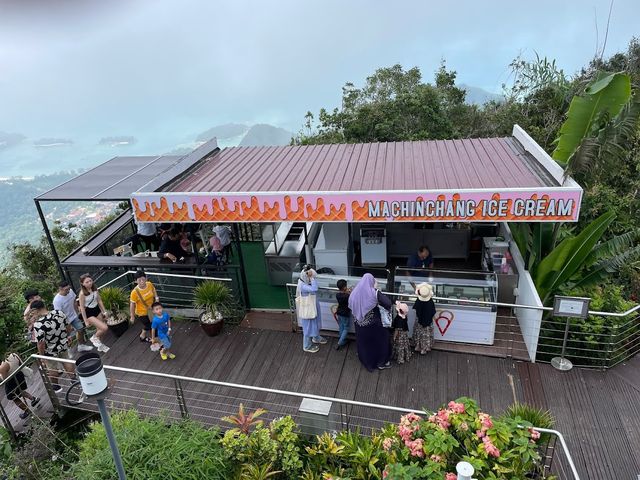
(569, 256)
(606, 96)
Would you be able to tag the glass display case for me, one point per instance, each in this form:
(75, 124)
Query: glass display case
(458, 318)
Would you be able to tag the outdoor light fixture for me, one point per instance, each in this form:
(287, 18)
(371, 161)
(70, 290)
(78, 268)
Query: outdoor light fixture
(94, 383)
(464, 470)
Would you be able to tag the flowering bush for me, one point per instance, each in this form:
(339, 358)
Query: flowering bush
(431, 447)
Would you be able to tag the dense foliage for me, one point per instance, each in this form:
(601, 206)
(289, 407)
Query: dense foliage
(418, 447)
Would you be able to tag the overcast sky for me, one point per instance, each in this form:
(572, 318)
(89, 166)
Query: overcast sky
(126, 67)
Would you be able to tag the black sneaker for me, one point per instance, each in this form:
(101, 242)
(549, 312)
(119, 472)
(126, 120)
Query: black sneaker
(56, 388)
(35, 401)
(24, 415)
(385, 366)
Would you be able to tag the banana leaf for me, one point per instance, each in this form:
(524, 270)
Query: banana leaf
(568, 257)
(612, 248)
(604, 97)
(603, 270)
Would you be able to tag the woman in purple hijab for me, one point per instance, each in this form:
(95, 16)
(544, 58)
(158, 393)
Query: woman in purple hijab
(372, 339)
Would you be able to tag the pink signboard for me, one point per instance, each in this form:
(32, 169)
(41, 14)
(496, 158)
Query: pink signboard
(517, 205)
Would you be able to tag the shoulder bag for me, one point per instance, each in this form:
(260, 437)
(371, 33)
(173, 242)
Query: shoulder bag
(306, 306)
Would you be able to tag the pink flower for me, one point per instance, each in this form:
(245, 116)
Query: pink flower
(490, 447)
(385, 473)
(405, 432)
(442, 419)
(456, 407)
(412, 417)
(416, 447)
(535, 435)
(436, 458)
(464, 426)
(485, 420)
(386, 444)
(480, 433)
(450, 476)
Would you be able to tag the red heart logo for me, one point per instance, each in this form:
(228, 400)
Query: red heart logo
(444, 316)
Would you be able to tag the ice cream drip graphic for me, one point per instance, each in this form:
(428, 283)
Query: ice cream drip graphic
(350, 207)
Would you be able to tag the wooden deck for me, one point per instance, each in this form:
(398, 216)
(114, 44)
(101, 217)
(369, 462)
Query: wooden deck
(598, 412)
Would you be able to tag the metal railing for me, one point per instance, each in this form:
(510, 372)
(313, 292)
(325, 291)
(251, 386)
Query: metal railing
(176, 397)
(602, 341)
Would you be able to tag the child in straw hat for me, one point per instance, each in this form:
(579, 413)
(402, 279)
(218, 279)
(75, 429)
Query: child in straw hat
(425, 311)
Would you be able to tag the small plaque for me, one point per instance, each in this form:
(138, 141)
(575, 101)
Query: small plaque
(576, 307)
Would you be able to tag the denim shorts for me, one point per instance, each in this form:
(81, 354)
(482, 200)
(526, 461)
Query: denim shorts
(165, 341)
(77, 324)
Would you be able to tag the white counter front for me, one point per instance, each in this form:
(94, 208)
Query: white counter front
(454, 322)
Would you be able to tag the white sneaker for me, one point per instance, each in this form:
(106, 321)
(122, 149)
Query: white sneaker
(103, 348)
(84, 348)
(96, 341)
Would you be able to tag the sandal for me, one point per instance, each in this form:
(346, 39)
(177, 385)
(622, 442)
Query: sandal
(144, 339)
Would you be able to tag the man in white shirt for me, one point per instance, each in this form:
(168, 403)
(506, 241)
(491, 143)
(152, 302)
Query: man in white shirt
(65, 301)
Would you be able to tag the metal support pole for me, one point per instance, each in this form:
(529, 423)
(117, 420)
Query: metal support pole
(47, 233)
(181, 401)
(243, 276)
(42, 368)
(307, 248)
(561, 363)
(106, 422)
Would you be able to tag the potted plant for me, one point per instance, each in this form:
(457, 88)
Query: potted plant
(214, 298)
(115, 302)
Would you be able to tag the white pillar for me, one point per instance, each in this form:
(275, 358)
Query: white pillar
(465, 471)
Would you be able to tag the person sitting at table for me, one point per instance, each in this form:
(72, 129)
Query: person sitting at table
(170, 247)
(422, 259)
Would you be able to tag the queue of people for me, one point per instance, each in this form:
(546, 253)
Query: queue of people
(379, 337)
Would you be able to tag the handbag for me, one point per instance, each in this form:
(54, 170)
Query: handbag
(306, 306)
(385, 316)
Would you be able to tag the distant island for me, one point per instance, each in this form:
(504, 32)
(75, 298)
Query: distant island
(228, 130)
(10, 139)
(52, 142)
(266, 135)
(117, 141)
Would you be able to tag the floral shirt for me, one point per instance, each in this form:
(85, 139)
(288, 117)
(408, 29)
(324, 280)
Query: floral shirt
(52, 330)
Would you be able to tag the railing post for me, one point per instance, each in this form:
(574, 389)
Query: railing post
(181, 401)
(55, 402)
(612, 337)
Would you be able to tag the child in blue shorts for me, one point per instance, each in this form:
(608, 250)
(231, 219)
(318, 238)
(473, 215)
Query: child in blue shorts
(161, 330)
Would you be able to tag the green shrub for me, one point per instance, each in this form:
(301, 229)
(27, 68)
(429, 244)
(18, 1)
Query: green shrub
(152, 449)
(538, 417)
(595, 341)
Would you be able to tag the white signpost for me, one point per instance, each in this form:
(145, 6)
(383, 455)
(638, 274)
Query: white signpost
(569, 307)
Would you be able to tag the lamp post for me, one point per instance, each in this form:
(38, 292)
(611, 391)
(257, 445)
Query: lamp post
(93, 381)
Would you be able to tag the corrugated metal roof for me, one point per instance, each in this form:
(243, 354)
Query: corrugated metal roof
(118, 178)
(422, 165)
